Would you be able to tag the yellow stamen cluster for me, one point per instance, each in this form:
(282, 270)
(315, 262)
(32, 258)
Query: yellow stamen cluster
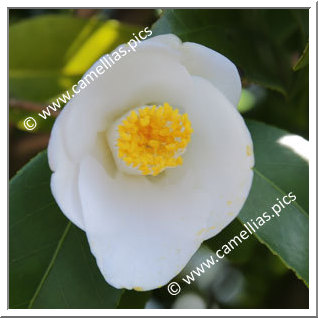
(153, 138)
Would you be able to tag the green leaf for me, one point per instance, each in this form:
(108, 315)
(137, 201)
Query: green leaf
(280, 156)
(303, 60)
(280, 168)
(50, 262)
(253, 39)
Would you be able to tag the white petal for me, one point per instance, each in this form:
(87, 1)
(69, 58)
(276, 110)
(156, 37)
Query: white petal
(64, 184)
(142, 234)
(169, 40)
(202, 61)
(220, 154)
(211, 65)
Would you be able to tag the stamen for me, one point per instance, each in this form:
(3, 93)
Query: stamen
(153, 138)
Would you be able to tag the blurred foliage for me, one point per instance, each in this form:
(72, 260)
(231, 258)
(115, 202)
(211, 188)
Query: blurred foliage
(55, 58)
(49, 50)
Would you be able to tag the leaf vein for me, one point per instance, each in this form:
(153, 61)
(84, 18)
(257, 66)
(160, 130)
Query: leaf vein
(280, 190)
(46, 274)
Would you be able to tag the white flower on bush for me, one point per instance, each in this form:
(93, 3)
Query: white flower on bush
(153, 158)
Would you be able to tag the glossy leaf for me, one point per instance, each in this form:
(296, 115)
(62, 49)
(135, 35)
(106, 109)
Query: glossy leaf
(51, 265)
(281, 167)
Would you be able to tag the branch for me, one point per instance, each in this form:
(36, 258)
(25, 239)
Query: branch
(30, 106)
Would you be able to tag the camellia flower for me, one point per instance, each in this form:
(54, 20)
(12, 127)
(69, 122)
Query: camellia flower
(153, 158)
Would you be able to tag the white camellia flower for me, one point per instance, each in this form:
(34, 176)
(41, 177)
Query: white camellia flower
(153, 158)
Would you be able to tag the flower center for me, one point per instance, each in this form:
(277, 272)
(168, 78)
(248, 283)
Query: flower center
(153, 138)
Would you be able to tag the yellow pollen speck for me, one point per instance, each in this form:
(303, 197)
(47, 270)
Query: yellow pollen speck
(248, 151)
(153, 138)
(212, 228)
(228, 202)
(201, 231)
(138, 288)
